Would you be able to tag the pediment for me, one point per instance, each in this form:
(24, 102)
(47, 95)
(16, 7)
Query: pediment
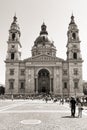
(43, 58)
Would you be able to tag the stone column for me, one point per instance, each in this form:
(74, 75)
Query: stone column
(50, 84)
(36, 84)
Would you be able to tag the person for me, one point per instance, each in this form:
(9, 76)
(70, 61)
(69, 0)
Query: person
(80, 108)
(55, 100)
(62, 101)
(73, 106)
(46, 98)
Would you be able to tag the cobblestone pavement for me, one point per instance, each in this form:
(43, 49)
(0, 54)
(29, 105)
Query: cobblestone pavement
(39, 115)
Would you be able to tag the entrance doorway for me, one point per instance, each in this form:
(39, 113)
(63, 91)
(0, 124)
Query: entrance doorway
(43, 81)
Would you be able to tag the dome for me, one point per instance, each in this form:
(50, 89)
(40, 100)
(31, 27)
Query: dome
(43, 37)
(43, 44)
(14, 25)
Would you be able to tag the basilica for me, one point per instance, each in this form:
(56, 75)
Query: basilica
(43, 72)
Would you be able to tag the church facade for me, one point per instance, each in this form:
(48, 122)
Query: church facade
(43, 72)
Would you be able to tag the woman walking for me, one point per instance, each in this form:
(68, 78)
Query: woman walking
(80, 108)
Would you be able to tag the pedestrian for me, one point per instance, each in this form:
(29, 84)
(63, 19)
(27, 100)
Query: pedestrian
(46, 98)
(55, 100)
(73, 106)
(62, 101)
(80, 108)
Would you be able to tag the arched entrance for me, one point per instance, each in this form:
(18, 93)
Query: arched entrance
(43, 81)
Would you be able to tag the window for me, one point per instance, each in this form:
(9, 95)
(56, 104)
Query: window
(73, 36)
(12, 46)
(22, 85)
(75, 84)
(43, 38)
(74, 55)
(65, 84)
(22, 72)
(75, 71)
(64, 72)
(11, 71)
(11, 84)
(13, 36)
(12, 56)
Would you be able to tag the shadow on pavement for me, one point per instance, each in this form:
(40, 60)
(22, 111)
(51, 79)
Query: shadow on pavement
(69, 117)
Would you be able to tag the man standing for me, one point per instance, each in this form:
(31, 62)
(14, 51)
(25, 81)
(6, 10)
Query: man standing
(73, 106)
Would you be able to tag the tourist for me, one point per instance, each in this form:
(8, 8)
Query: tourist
(62, 101)
(73, 106)
(46, 98)
(80, 108)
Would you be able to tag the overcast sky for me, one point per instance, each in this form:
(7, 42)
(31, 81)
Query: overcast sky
(31, 14)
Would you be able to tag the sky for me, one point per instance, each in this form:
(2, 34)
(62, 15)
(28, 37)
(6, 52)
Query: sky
(31, 14)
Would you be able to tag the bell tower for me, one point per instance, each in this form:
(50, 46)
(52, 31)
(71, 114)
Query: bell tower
(13, 58)
(74, 60)
(14, 46)
(73, 44)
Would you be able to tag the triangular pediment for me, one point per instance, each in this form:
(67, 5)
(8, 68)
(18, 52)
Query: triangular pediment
(43, 57)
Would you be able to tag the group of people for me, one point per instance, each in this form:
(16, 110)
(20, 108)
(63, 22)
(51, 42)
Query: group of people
(73, 104)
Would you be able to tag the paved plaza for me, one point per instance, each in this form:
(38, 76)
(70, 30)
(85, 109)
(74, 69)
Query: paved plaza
(39, 115)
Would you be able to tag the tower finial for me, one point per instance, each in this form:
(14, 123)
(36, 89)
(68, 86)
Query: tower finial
(15, 18)
(43, 29)
(72, 19)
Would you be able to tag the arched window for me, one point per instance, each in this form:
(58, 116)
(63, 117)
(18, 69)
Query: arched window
(73, 35)
(13, 36)
(12, 56)
(74, 55)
